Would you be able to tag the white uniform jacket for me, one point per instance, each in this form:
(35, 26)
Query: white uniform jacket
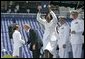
(77, 26)
(49, 27)
(17, 42)
(63, 35)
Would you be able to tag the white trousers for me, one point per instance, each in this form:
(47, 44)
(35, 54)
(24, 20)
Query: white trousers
(77, 50)
(54, 46)
(15, 51)
(63, 53)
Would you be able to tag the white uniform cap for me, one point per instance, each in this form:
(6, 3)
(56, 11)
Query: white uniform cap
(74, 12)
(61, 17)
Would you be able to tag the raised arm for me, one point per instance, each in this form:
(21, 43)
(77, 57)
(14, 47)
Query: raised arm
(52, 13)
(39, 19)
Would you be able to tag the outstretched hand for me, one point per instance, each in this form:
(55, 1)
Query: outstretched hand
(49, 8)
(39, 8)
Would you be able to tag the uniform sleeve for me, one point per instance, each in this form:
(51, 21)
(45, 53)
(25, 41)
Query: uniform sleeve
(54, 16)
(81, 27)
(42, 21)
(19, 38)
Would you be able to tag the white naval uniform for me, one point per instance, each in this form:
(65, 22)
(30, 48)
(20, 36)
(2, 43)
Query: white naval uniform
(77, 25)
(63, 39)
(17, 42)
(49, 29)
(52, 45)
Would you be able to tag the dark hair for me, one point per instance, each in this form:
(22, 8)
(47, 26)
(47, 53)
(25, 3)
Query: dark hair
(15, 27)
(47, 15)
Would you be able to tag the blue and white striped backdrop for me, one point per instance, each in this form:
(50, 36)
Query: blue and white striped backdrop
(6, 43)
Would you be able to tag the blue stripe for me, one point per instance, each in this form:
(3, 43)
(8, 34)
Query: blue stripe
(9, 40)
(7, 44)
(7, 48)
(2, 23)
(6, 23)
(6, 36)
(39, 28)
(36, 27)
(2, 45)
(30, 23)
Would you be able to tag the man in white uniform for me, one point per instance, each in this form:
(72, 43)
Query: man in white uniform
(63, 37)
(49, 23)
(77, 28)
(17, 41)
